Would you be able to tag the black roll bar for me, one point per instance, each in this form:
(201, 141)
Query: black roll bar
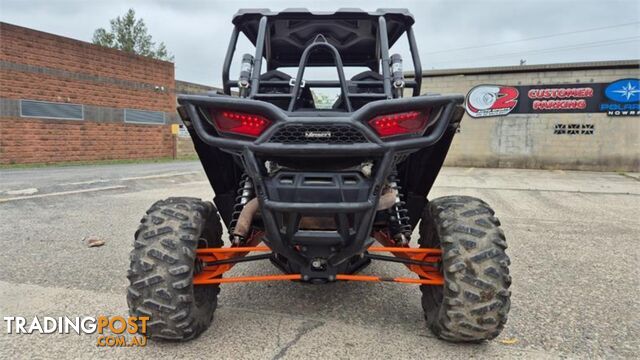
(319, 43)
(257, 62)
(384, 54)
(417, 65)
(231, 49)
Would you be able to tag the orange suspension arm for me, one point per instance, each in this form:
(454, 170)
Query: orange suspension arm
(417, 254)
(215, 254)
(345, 277)
(213, 274)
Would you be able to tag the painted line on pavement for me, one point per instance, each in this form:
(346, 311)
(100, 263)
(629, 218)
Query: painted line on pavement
(158, 176)
(88, 182)
(27, 191)
(63, 193)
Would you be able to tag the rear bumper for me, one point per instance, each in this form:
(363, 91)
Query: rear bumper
(442, 109)
(352, 208)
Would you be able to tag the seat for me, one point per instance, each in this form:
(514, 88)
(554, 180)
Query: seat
(367, 89)
(362, 89)
(306, 98)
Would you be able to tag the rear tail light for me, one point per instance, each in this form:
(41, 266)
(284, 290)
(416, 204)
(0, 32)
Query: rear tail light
(240, 123)
(411, 122)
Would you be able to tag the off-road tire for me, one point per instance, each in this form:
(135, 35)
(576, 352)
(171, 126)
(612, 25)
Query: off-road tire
(162, 268)
(474, 301)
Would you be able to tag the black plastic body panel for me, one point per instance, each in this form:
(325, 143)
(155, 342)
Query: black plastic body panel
(293, 29)
(347, 196)
(317, 187)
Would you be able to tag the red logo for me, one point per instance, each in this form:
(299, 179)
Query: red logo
(491, 100)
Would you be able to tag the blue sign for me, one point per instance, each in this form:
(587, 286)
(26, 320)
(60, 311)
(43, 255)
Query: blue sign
(624, 91)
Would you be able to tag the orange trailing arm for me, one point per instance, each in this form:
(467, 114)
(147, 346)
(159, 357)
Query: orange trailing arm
(342, 277)
(428, 255)
(429, 275)
(209, 273)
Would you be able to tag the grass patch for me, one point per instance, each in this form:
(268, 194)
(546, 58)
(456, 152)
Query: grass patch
(98, 162)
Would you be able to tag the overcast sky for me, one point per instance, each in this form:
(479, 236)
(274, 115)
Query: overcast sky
(196, 31)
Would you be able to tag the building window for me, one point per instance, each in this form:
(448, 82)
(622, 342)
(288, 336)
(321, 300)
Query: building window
(587, 129)
(51, 110)
(143, 117)
(574, 129)
(560, 129)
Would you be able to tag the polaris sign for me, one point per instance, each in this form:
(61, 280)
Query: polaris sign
(625, 95)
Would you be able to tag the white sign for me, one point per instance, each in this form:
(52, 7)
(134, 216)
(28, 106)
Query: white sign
(182, 131)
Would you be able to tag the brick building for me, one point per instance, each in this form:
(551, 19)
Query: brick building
(67, 100)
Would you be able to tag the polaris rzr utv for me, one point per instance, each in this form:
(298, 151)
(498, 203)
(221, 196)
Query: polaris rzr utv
(324, 189)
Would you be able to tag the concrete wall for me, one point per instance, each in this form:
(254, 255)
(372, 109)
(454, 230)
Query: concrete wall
(184, 148)
(528, 140)
(185, 87)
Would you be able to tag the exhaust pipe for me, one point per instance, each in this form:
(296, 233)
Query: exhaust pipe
(387, 199)
(246, 217)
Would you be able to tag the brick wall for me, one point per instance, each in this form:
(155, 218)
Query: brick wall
(39, 66)
(42, 141)
(528, 140)
(184, 145)
(67, 68)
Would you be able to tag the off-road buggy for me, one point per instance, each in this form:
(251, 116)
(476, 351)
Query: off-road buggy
(319, 187)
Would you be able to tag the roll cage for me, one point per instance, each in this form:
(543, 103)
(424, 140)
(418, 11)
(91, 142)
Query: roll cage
(289, 38)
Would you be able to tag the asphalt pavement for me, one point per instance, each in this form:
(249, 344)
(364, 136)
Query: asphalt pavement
(573, 241)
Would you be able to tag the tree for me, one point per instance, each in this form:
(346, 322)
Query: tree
(130, 34)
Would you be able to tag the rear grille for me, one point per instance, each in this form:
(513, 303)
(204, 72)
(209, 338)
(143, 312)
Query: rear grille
(318, 134)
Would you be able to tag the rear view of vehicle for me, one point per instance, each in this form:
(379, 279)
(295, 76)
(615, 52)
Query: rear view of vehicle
(327, 190)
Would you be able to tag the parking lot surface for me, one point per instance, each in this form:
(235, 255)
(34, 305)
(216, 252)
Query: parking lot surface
(573, 241)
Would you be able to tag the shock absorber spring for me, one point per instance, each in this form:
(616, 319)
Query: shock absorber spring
(398, 219)
(244, 194)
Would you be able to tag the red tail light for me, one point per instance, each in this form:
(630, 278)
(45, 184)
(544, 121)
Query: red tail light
(240, 123)
(412, 122)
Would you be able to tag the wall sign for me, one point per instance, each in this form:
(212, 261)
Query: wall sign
(183, 132)
(491, 100)
(618, 98)
(623, 98)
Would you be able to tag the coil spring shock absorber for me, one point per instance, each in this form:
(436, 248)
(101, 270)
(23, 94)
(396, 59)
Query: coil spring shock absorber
(245, 193)
(398, 219)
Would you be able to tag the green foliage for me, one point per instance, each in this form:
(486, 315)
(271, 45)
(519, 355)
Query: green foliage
(130, 34)
(324, 98)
